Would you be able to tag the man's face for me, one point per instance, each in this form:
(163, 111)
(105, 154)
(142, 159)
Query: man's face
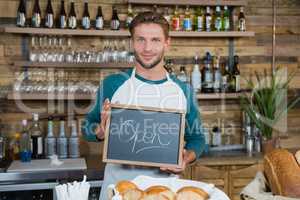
(149, 44)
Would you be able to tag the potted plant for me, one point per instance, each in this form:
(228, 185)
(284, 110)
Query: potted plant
(268, 103)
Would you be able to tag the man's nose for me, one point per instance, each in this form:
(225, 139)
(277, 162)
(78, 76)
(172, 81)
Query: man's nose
(148, 46)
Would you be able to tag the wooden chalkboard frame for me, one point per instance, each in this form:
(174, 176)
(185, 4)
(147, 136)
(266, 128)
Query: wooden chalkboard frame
(152, 164)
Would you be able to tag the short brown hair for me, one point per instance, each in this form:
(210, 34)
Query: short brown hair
(147, 18)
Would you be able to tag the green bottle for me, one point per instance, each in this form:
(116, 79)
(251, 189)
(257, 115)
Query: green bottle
(226, 19)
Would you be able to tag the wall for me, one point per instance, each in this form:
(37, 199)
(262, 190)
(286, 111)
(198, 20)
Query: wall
(255, 55)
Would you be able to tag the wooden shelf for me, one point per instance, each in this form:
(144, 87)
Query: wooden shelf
(71, 32)
(73, 65)
(191, 2)
(212, 34)
(50, 96)
(120, 33)
(79, 96)
(225, 96)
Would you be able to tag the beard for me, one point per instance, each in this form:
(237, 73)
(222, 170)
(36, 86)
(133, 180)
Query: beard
(150, 65)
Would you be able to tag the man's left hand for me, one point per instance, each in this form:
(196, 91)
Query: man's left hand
(187, 157)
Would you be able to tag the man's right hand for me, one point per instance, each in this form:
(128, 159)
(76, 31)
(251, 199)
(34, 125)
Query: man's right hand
(100, 131)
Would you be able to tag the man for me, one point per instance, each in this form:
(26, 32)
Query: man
(148, 84)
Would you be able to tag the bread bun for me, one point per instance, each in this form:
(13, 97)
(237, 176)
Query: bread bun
(159, 192)
(133, 194)
(123, 186)
(191, 193)
(297, 156)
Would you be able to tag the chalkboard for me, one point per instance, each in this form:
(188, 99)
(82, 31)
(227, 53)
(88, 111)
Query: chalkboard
(144, 136)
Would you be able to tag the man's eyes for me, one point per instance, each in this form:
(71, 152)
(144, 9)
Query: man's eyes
(153, 40)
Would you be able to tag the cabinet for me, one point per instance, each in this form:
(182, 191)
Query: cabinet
(230, 174)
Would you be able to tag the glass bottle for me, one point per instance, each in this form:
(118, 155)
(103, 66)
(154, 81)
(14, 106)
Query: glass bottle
(208, 19)
(187, 21)
(218, 19)
(167, 15)
(115, 22)
(72, 20)
(176, 20)
(196, 76)
(99, 19)
(62, 141)
(226, 19)
(86, 21)
(62, 15)
(49, 18)
(225, 78)
(236, 74)
(207, 75)
(74, 141)
(217, 75)
(21, 14)
(130, 16)
(198, 21)
(182, 75)
(36, 138)
(242, 20)
(25, 147)
(36, 15)
(50, 140)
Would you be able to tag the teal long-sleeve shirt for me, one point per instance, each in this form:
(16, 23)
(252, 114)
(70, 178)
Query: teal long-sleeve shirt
(194, 138)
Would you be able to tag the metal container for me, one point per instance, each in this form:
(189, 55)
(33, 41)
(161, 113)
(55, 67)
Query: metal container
(249, 145)
(2, 148)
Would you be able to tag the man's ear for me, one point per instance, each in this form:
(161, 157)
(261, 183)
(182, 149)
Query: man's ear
(168, 43)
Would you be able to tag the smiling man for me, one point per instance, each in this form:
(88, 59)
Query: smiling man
(147, 84)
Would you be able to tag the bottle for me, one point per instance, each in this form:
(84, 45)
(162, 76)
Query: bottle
(115, 22)
(207, 75)
(74, 141)
(167, 15)
(36, 15)
(62, 141)
(208, 19)
(99, 19)
(196, 76)
(242, 20)
(217, 75)
(25, 147)
(218, 19)
(14, 146)
(62, 15)
(216, 136)
(50, 140)
(21, 14)
(130, 16)
(182, 75)
(176, 20)
(72, 20)
(225, 19)
(187, 20)
(236, 74)
(225, 78)
(198, 21)
(86, 21)
(36, 138)
(49, 18)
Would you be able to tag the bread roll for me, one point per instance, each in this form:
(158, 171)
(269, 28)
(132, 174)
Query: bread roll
(297, 156)
(283, 173)
(159, 193)
(191, 193)
(133, 194)
(123, 186)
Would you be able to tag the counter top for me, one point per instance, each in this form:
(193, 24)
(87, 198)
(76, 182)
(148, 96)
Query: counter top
(239, 157)
(94, 171)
